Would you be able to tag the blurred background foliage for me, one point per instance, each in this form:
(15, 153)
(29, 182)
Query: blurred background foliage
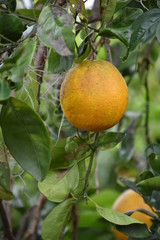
(140, 122)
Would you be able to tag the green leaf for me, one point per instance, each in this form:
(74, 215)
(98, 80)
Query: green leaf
(32, 15)
(82, 173)
(153, 155)
(55, 30)
(158, 33)
(60, 159)
(84, 55)
(55, 221)
(5, 91)
(129, 184)
(58, 63)
(145, 175)
(11, 27)
(109, 140)
(121, 220)
(14, 67)
(59, 184)
(144, 28)
(126, 17)
(121, 4)
(115, 217)
(26, 137)
(108, 12)
(84, 44)
(148, 185)
(121, 27)
(123, 34)
(28, 92)
(135, 231)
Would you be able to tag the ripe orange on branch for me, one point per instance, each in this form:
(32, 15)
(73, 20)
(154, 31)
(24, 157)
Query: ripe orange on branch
(130, 200)
(94, 95)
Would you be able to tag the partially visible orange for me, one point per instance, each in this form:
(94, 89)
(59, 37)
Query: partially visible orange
(94, 95)
(130, 200)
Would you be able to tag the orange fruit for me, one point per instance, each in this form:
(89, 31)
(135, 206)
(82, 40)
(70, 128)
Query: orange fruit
(94, 95)
(127, 201)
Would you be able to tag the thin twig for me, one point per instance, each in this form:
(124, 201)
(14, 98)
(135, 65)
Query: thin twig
(8, 212)
(83, 25)
(95, 13)
(75, 222)
(33, 224)
(24, 224)
(92, 53)
(40, 59)
(94, 50)
(77, 10)
(7, 228)
(108, 49)
(89, 169)
(147, 111)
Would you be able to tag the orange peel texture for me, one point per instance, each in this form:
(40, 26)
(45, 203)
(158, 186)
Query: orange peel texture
(94, 95)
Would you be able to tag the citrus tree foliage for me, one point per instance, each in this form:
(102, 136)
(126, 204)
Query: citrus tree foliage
(58, 182)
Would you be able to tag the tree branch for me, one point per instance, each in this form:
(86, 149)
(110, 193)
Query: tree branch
(74, 216)
(33, 224)
(24, 224)
(7, 228)
(108, 50)
(78, 9)
(40, 59)
(96, 13)
(147, 111)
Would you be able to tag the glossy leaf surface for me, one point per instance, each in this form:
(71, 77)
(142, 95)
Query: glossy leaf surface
(14, 67)
(148, 185)
(26, 137)
(57, 185)
(144, 28)
(108, 11)
(109, 140)
(55, 29)
(5, 90)
(11, 27)
(53, 224)
(58, 63)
